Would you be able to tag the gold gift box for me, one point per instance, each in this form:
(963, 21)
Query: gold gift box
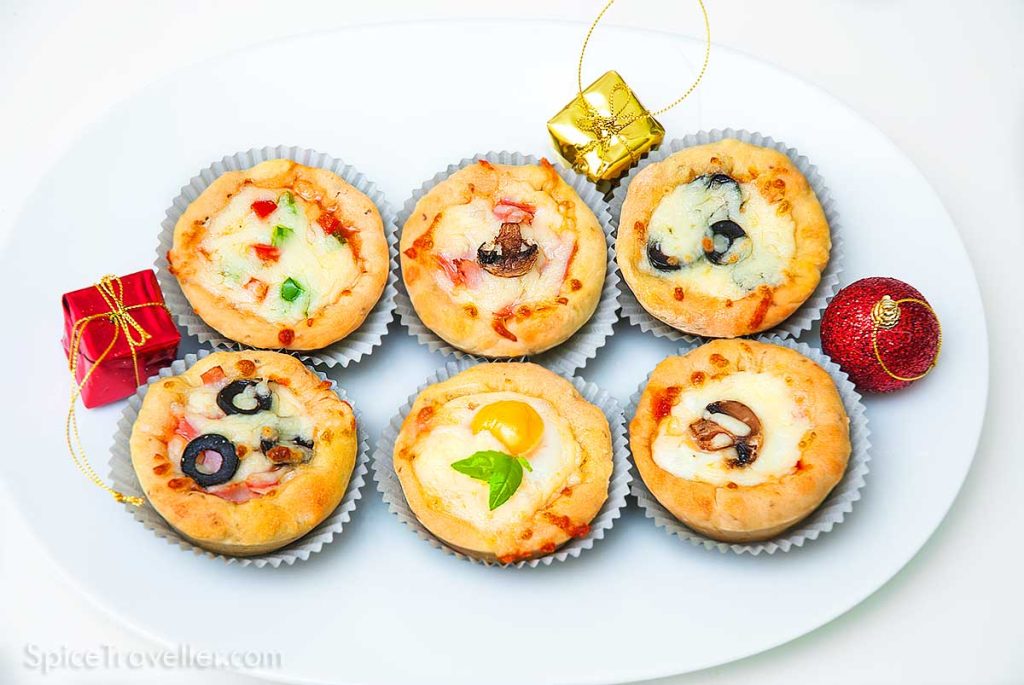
(604, 130)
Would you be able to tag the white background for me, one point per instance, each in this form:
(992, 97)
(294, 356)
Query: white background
(942, 79)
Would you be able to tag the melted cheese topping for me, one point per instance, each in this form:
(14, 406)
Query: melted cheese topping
(286, 416)
(783, 426)
(555, 461)
(680, 222)
(462, 229)
(318, 262)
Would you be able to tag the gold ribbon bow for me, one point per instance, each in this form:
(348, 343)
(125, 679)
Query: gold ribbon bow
(112, 291)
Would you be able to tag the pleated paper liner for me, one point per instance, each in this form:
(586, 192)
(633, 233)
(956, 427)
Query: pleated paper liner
(810, 311)
(822, 520)
(618, 487)
(352, 347)
(122, 475)
(584, 343)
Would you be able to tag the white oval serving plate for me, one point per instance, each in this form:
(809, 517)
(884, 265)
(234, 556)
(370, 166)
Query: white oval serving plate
(377, 606)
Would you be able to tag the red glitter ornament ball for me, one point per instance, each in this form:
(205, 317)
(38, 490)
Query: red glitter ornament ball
(882, 332)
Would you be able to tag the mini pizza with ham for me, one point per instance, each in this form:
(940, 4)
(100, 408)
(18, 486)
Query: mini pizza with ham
(502, 260)
(281, 256)
(245, 451)
(722, 240)
(739, 439)
(504, 461)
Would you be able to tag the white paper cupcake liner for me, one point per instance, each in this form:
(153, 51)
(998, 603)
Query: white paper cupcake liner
(810, 311)
(584, 343)
(618, 487)
(122, 475)
(352, 347)
(829, 514)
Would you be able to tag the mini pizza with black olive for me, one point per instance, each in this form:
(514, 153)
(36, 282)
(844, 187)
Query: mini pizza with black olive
(244, 452)
(503, 261)
(722, 240)
(504, 461)
(281, 256)
(739, 439)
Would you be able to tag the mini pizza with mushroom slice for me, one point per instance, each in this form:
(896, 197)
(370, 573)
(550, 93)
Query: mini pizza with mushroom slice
(722, 240)
(739, 439)
(504, 461)
(244, 452)
(281, 256)
(502, 260)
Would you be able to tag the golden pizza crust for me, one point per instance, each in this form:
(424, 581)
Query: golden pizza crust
(334, 320)
(736, 513)
(530, 327)
(267, 522)
(568, 515)
(700, 313)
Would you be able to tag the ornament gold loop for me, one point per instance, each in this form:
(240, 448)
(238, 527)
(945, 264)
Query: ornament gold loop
(885, 314)
(693, 86)
(112, 291)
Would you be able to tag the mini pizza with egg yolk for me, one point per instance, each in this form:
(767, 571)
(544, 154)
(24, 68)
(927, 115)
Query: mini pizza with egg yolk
(503, 261)
(504, 461)
(281, 256)
(722, 240)
(740, 439)
(244, 452)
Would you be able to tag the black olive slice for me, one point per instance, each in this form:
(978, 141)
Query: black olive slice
(308, 444)
(712, 180)
(226, 398)
(723, 234)
(210, 442)
(508, 255)
(661, 261)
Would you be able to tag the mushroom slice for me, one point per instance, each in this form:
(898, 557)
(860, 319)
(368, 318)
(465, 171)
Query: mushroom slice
(508, 255)
(729, 424)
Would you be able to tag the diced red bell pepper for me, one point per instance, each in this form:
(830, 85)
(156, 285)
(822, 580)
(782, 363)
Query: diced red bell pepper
(329, 223)
(267, 253)
(264, 208)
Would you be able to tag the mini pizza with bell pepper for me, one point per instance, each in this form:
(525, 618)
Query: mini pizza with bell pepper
(281, 256)
(504, 461)
(503, 260)
(244, 452)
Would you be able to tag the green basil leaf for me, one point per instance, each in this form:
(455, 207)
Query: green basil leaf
(479, 465)
(525, 464)
(290, 290)
(280, 234)
(504, 481)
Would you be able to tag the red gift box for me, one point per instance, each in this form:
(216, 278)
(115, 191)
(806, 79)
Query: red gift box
(131, 312)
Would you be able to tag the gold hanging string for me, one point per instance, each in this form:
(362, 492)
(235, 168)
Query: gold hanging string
(112, 291)
(693, 86)
(885, 314)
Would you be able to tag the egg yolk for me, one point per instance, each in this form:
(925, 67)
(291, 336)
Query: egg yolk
(516, 425)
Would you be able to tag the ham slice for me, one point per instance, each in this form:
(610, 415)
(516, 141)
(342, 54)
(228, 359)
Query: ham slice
(509, 211)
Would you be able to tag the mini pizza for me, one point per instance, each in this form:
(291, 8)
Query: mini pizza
(504, 461)
(503, 261)
(281, 256)
(739, 439)
(245, 451)
(722, 240)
